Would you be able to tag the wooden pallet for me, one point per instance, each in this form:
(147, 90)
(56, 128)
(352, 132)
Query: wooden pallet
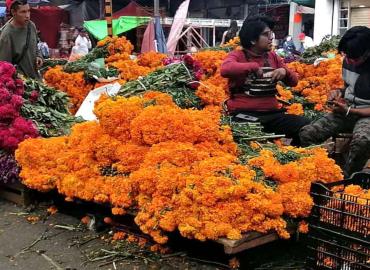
(16, 193)
(250, 240)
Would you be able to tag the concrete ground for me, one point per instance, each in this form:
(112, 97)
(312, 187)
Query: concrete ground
(61, 242)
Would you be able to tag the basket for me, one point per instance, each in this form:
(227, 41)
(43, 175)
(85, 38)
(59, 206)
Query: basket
(339, 227)
(329, 251)
(342, 213)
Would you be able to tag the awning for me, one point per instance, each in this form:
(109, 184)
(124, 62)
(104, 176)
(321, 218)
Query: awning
(310, 3)
(98, 28)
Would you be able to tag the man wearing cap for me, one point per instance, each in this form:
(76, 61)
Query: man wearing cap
(18, 40)
(306, 41)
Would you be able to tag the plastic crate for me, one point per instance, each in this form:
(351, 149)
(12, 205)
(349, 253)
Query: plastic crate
(339, 230)
(329, 251)
(341, 213)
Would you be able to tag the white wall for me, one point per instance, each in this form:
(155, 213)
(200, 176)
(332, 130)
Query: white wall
(294, 28)
(326, 19)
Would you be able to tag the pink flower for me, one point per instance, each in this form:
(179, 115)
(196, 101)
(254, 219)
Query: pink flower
(167, 61)
(34, 96)
(19, 87)
(198, 75)
(10, 85)
(194, 85)
(17, 102)
(19, 130)
(11, 143)
(197, 66)
(7, 70)
(4, 96)
(7, 111)
(24, 125)
(188, 60)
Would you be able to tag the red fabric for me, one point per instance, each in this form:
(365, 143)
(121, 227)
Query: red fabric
(297, 18)
(48, 20)
(8, 3)
(236, 68)
(132, 9)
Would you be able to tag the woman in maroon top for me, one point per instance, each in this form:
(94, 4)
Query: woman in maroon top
(256, 39)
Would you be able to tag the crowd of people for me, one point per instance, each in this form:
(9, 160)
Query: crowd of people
(21, 45)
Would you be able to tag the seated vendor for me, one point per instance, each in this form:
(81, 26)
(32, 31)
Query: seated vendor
(351, 106)
(250, 93)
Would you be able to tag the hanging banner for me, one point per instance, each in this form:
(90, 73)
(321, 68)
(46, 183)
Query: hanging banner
(177, 25)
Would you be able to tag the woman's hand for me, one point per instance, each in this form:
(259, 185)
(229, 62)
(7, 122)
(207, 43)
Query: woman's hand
(340, 107)
(335, 95)
(278, 74)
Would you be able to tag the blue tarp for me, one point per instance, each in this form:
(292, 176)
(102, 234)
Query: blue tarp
(159, 36)
(2, 11)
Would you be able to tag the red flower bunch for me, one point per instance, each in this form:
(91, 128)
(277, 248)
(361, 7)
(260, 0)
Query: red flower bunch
(13, 127)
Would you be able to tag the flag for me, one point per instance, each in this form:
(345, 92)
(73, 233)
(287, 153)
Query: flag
(177, 25)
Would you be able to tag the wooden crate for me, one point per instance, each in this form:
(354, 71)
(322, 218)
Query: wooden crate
(16, 193)
(250, 240)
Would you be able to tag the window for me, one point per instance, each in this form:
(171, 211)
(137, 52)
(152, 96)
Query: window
(344, 15)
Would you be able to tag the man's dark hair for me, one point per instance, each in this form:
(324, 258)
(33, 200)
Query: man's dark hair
(252, 28)
(16, 3)
(355, 42)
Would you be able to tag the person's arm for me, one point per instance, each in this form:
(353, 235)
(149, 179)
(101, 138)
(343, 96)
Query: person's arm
(290, 78)
(39, 57)
(342, 108)
(232, 68)
(363, 112)
(223, 38)
(6, 49)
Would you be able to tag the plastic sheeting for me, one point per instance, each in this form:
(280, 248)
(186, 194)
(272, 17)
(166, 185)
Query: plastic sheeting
(99, 29)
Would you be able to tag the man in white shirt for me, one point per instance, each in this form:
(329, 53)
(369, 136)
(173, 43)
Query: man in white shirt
(306, 41)
(83, 43)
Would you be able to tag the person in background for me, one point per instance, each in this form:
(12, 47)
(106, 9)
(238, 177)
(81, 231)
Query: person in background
(43, 47)
(256, 40)
(231, 33)
(83, 42)
(288, 45)
(18, 40)
(350, 106)
(306, 41)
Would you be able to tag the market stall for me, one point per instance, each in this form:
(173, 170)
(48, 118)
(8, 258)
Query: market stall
(163, 150)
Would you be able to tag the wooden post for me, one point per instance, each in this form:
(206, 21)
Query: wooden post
(108, 16)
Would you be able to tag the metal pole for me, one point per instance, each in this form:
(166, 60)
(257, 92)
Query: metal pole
(108, 16)
(156, 8)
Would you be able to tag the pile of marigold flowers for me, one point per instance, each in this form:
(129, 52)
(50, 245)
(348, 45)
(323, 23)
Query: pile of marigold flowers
(316, 82)
(213, 88)
(232, 43)
(118, 51)
(178, 168)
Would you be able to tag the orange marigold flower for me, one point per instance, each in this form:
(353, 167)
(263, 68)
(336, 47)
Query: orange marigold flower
(52, 210)
(303, 227)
